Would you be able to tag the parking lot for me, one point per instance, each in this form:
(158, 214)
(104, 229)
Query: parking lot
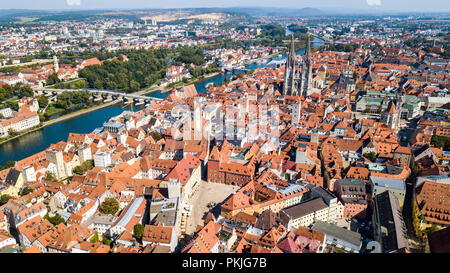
(206, 193)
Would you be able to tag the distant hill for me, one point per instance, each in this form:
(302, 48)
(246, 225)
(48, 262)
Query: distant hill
(256, 11)
(84, 15)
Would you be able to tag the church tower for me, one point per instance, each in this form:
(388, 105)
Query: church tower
(55, 64)
(306, 80)
(291, 73)
(391, 117)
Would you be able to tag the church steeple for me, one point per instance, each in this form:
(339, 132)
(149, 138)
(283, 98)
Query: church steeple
(291, 73)
(292, 52)
(306, 80)
(55, 63)
(308, 48)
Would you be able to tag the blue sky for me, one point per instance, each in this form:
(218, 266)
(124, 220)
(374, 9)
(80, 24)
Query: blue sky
(342, 5)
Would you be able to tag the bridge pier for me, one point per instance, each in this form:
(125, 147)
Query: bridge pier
(107, 98)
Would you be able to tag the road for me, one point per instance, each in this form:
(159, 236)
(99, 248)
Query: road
(41, 61)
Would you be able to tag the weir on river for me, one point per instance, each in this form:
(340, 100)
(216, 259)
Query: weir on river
(37, 141)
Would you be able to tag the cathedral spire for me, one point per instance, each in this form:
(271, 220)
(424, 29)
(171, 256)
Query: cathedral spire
(306, 79)
(308, 46)
(291, 73)
(291, 54)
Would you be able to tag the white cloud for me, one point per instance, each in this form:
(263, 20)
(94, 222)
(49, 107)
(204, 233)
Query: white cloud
(73, 2)
(374, 2)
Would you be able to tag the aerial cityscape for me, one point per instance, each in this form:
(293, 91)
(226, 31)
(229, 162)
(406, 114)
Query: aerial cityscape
(189, 128)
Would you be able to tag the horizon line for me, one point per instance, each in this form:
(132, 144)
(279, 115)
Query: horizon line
(327, 10)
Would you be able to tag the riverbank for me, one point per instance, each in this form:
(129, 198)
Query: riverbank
(60, 119)
(165, 89)
(193, 81)
(149, 90)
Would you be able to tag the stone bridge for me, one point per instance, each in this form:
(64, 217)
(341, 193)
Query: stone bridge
(101, 94)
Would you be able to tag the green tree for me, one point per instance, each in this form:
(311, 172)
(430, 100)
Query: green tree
(25, 91)
(86, 166)
(55, 220)
(156, 135)
(26, 191)
(43, 101)
(94, 238)
(106, 241)
(297, 28)
(52, 79)
(440, 142)
(78, 170)
(8, 164)
(371, 156)
(138, 230)
(12, 132)
(4, 199)
(109, 206)
(49, 176)
(189, 54)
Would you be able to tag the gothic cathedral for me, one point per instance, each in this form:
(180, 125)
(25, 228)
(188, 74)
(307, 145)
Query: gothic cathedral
(296, 83)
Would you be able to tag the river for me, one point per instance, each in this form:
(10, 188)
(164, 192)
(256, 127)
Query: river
(40, 140)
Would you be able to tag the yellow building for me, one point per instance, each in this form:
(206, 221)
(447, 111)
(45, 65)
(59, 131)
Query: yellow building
(13, 183)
